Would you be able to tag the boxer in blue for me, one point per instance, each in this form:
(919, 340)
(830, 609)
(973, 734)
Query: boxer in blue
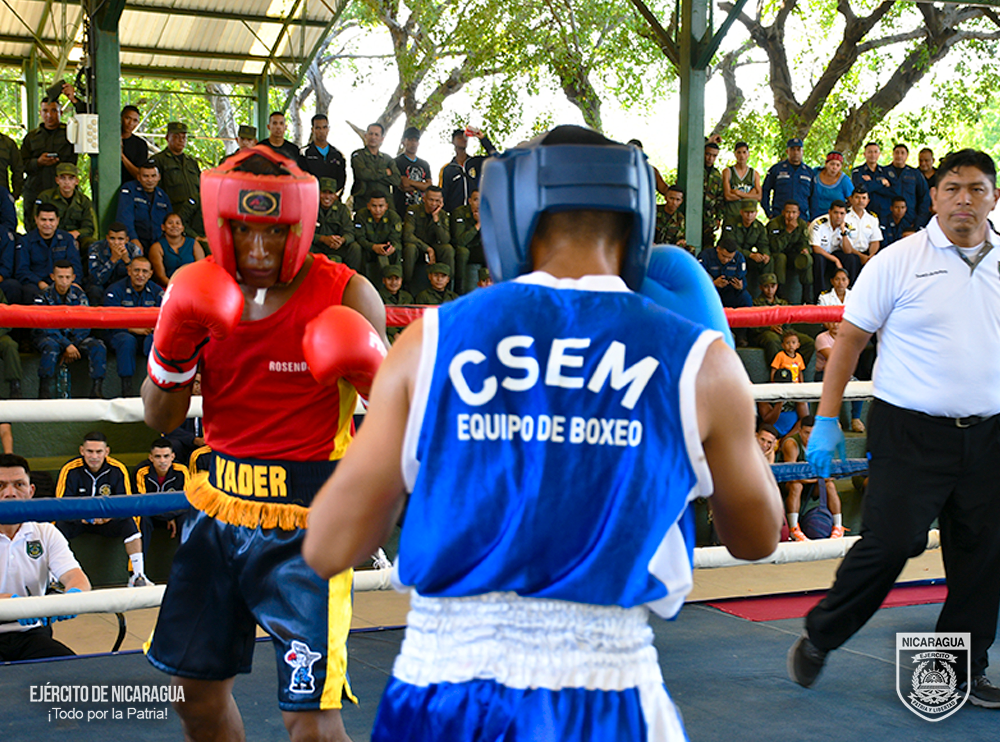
(552, 432)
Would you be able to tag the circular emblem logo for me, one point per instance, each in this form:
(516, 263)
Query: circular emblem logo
(259, 203)
(104, 490)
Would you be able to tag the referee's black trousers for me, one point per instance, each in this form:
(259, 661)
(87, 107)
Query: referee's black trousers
(923, 468)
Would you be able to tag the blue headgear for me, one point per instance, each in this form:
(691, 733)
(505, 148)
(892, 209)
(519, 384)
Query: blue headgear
(522, 183)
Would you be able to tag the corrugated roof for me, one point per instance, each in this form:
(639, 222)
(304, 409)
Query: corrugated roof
(210, 39)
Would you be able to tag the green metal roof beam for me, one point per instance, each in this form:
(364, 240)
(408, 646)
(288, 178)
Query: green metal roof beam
(272, 57)
(38, 42)
(708, 51)
(229, 56)
(216, 15)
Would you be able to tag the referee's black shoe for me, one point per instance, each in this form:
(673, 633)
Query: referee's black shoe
(805, 661)
(982, 692)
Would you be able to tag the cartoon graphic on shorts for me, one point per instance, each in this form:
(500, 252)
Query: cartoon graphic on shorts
(301, 658)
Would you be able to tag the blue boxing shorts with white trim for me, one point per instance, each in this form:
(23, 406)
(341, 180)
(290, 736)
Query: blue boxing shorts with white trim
(502, 668)
(227, 579)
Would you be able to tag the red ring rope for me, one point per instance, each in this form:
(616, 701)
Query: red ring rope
(124, 317)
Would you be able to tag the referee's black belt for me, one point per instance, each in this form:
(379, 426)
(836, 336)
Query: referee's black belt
(955, 422)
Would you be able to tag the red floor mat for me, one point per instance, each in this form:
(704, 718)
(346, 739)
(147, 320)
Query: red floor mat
(773, 608)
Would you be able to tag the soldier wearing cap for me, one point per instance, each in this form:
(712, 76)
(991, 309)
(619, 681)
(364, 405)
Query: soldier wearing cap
(75, 209)
(769, 338)
(414, 172)
(750, 236)
(379, 231)
(393, 294)
(41, 150)
(439, 274)
(180, 177)
(246, 137)
(334, 236)
(322, 159)
(789, 180)
(791, 253)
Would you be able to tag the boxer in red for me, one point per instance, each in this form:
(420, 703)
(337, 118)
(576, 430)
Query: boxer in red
(281, 367)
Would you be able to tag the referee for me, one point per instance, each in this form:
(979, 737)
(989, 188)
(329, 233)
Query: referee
(934, 426)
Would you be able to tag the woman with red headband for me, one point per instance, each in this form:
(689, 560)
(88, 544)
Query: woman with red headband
(830, 185)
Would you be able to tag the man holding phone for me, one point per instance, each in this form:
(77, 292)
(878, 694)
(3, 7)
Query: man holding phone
(41, 150)
(728, 269)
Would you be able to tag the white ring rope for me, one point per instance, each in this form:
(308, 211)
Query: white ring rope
(130, 409)
(121, 599)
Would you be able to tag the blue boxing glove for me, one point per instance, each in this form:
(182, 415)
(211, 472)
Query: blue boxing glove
(53, 619)
(826, 440)
(676, 281)
(30, 621)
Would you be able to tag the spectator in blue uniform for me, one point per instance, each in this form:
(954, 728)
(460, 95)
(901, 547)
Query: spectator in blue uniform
(136, 290)
(911, 185)
(872, 177)
(66, 346)
(789, 180)
(142, 207)
(108, 261)
(8, 244)
(38, 251)
(728, 270)
(894, 227)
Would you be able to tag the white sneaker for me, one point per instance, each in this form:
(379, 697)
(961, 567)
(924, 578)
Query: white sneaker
(381, 560)
(138, 579)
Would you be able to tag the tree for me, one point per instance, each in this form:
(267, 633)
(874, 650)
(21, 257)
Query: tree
(894, 44)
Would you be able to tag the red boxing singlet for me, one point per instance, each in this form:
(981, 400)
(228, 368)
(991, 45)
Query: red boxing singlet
(260, 400)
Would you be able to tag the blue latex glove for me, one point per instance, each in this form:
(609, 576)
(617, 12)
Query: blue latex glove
(826, 440)
(53, 619)
(30, 621)
(675, 280)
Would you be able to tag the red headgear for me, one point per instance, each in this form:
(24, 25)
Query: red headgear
(292, 199)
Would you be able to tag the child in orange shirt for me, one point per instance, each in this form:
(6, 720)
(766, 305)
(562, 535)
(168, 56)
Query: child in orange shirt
(790, 357)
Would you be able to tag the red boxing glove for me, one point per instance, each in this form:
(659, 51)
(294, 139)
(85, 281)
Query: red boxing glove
(341, 344)
(201, 300)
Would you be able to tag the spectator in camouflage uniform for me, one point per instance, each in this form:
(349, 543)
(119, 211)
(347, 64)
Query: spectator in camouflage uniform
(180, 177)
(334, 236)
(465, 235)
(374, 171)
(712, 204)
(439, 274)
(426, 235)
(791, 252)
(10, 159)
(42, 149)
(393, 294)
(75, 209)
(379, 231)
(670, 219)
(750, 236)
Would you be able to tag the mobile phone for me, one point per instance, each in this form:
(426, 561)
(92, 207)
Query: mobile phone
(52, 154)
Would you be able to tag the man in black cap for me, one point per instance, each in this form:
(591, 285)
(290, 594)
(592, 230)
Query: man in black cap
(42, 149)
(322, 159)
(439, 274)
(181, 177)
(414, 172)
(789, 180)
(334, 236)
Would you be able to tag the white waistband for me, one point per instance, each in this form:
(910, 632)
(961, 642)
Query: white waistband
(526, 643)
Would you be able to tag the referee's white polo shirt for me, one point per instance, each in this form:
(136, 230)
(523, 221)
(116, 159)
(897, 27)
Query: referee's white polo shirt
(938, 324)
(36, 550)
